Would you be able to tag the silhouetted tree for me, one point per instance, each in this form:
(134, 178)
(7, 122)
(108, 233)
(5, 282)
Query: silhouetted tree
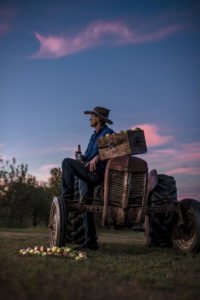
(55, 181)
(39, 203)
(22, 199)
(17, 188)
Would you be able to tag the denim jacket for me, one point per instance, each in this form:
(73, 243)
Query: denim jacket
(92, 148)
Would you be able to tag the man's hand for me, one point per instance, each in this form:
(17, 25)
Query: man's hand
(92, 164)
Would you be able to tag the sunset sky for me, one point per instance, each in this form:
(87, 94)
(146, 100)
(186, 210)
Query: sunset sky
(140, 59)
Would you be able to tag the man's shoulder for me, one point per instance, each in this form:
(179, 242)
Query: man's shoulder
(106, 130)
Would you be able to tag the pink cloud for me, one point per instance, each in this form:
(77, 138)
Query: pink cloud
(4, 29)
(51, 150)
(47, 168)
(167, 152)
(180, 156)
(179, 160)
(158, 35)
(67, 151)
(97, 33)
(189, 152)
(188, 187)
(93, 35)
(189, 195)
(43, 173)
(154, 137)
(7, 13)
(184, 170)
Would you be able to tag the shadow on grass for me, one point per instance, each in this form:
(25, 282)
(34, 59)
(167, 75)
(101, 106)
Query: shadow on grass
(115, 271)
(123, 249)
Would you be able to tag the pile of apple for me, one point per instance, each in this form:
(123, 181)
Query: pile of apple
(54, 251)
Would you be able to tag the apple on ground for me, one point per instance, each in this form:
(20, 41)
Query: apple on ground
(37, 248)
(82, 255)
(79, 258)
(54, 249)
(43, 249)
(67, 249)
(59, 250)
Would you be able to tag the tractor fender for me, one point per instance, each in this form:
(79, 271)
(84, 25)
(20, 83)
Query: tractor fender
(152, 181)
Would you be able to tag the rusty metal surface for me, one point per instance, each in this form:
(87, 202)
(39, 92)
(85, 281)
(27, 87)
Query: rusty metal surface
(125, 190)
(119, 163)
(106, 189)
(152, 181)
(138, 165)
(82, 208)
(137, 186)
(128, 163)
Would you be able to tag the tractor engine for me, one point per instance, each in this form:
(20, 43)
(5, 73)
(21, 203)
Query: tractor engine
(125, 188)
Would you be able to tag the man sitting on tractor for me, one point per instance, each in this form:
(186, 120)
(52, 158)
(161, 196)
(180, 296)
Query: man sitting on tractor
(90, 170)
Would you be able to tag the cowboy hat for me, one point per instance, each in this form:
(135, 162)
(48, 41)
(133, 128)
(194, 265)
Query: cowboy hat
(102, 112)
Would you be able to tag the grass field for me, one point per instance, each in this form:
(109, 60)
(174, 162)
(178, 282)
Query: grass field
(123, 268)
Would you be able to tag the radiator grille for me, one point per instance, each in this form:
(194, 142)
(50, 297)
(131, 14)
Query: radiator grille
(136, 188)
(115, 188)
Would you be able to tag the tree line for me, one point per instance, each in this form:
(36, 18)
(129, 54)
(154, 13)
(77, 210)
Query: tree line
(23, 200)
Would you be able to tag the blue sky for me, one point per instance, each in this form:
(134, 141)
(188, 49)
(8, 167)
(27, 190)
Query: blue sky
(141, 59)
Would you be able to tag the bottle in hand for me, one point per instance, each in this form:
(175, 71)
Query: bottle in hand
(78, 153)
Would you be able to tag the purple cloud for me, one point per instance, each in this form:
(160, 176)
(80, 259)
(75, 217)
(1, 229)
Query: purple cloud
(97, 34)
(7, 13)
(153, 136)
(4, 29)
(184, 170)
(169, 156)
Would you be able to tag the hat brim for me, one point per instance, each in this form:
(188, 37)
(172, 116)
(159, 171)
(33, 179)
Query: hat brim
(89, 112)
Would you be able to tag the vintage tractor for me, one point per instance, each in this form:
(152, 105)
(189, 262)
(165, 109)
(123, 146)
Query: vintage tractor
(129, 197)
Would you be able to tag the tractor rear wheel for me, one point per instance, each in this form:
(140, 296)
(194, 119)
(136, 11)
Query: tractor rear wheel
(186, 234)
(158, 225)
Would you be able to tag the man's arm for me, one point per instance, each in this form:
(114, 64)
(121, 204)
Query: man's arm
(93, 163)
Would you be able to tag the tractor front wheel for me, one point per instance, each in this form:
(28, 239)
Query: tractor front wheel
(65, 226)
(57, 222)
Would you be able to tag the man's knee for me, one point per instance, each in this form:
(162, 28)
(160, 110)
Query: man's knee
(66, 162)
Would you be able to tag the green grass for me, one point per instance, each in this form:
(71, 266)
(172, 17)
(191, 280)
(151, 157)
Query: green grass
(37, 229)
(119, 270)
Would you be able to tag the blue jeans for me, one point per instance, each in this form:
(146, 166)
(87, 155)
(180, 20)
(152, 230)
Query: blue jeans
(72, 168)
(88, 180)
(88, 217)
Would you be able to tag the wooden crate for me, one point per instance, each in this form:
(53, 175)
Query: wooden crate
(122, 143)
